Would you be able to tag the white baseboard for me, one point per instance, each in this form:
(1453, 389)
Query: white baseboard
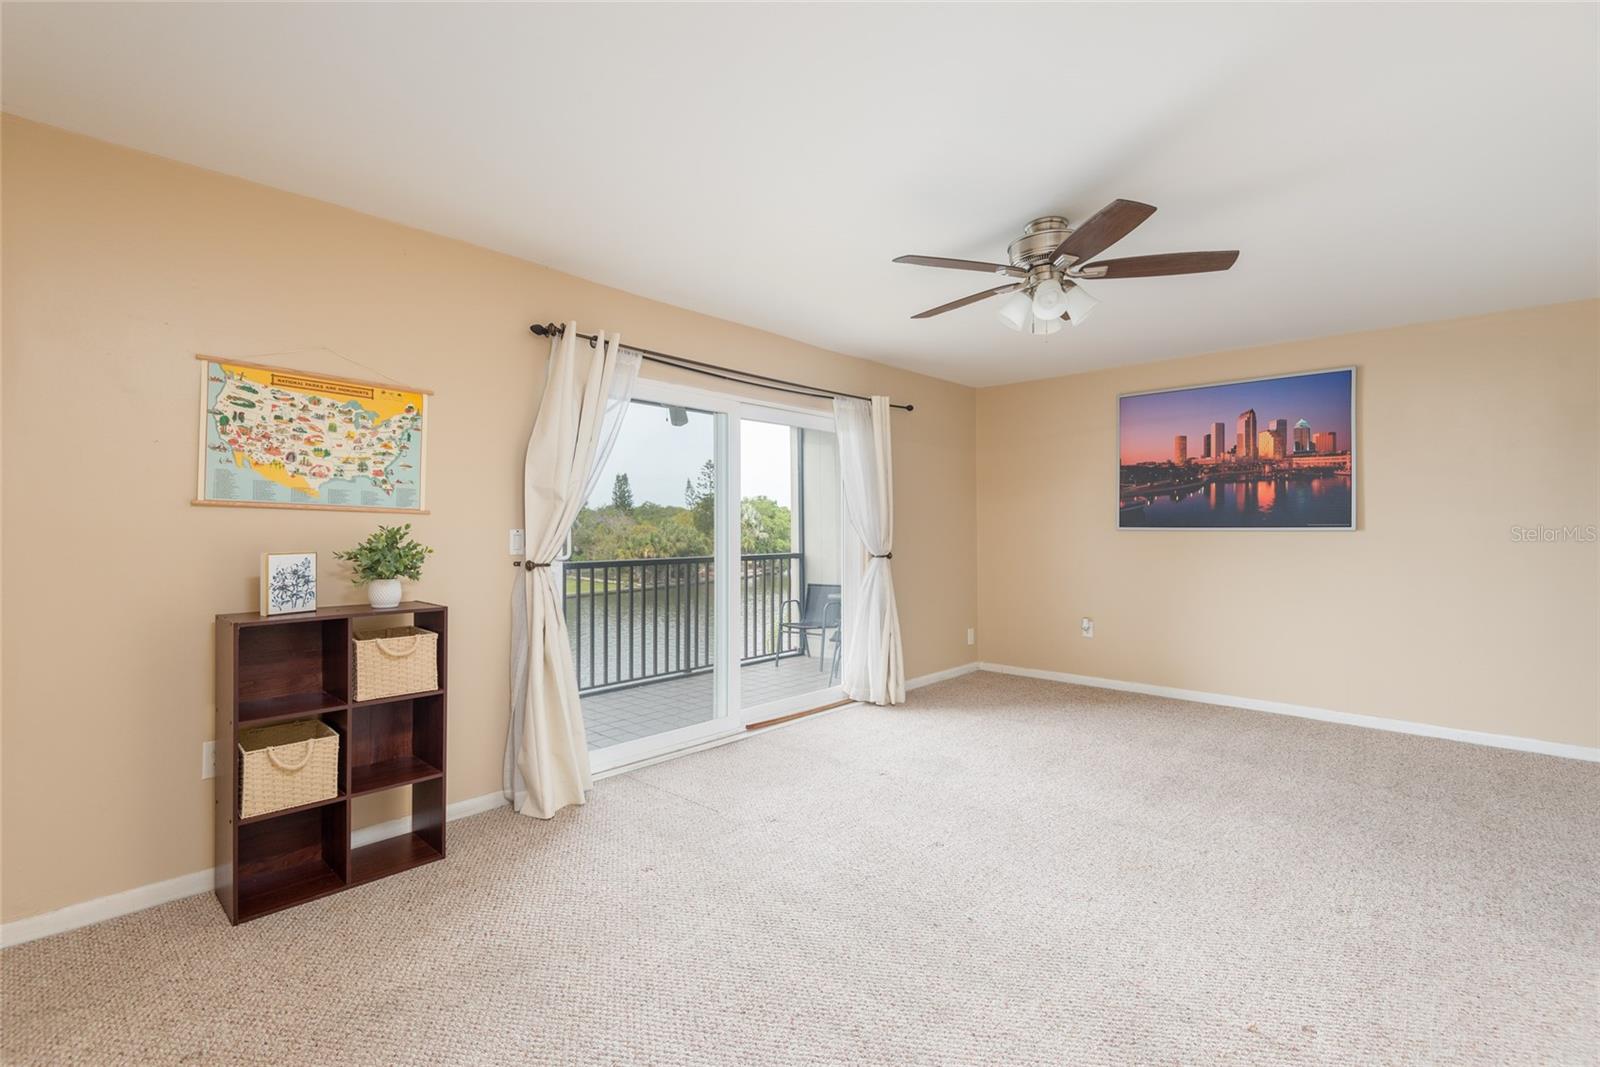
(148, 896)
(19, 931)
(100, 909)
(941, 676)
(1374, 722)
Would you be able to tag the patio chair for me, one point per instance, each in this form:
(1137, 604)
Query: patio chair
(820, 614)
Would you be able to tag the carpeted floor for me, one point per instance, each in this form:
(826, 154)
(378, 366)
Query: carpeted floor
(1004, 871)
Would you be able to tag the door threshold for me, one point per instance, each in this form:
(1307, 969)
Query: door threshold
(732, 734)
(797, 715)
(736, 734)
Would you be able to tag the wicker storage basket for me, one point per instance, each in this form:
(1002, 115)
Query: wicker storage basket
(395, 662)
(287, 765)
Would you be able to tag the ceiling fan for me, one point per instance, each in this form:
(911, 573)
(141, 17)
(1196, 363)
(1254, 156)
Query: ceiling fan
(1049, 259)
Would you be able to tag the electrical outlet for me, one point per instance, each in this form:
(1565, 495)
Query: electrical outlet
(518, 543)
(208, 759)
(1087, 626)
(972, 636)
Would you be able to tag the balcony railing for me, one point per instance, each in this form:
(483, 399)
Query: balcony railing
(633, 621)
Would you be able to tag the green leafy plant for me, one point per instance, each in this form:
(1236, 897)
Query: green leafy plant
(389, 553)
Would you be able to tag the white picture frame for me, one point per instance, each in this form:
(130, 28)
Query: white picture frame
(288, 583)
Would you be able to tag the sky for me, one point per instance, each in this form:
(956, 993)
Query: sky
(1150, 421)
(659, 457)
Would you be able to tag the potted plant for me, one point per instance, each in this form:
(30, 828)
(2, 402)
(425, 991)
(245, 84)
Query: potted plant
(382, 560)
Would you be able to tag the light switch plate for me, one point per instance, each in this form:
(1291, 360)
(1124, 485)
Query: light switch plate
(1087, 626)
(208, 759)
(518, 543)
(972, 636)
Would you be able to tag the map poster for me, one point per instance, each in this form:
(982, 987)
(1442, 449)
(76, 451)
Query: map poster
(278, 438)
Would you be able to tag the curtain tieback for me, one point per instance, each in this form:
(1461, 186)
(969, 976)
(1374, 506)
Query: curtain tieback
(886, 555)
(528, 564)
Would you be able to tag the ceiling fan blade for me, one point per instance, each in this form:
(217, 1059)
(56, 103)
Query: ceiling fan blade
(1160, 265)
(1103, 229)
(964, 264)
(964, 301)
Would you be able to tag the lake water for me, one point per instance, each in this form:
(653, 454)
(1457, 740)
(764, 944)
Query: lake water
(1304, 501)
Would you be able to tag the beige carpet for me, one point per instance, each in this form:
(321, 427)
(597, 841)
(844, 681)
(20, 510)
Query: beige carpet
(1003, 872)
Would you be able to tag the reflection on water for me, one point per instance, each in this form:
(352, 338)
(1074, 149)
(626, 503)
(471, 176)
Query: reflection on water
(1284, 500)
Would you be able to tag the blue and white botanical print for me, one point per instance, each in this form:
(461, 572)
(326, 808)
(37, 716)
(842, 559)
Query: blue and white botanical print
(293, 585)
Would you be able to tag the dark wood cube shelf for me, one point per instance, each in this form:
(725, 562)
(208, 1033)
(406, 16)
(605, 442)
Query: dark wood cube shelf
(285, 667)
(291, 859)
(391, 856)
(261, 712)
(396, 742)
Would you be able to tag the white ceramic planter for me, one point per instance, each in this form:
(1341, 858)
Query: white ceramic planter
(384, 593)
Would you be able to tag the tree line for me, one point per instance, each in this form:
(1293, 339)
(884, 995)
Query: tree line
(625, 529)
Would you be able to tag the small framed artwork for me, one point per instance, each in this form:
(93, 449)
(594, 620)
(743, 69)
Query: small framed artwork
(288, 582)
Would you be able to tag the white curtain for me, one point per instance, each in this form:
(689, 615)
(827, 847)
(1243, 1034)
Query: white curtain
(873, 665)
(585, 397)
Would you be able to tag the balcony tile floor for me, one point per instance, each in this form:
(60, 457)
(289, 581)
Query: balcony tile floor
(655, 707)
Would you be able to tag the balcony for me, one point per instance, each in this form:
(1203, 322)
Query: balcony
(643, 636)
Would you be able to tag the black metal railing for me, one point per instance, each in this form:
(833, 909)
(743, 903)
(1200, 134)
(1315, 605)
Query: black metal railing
(632, 621)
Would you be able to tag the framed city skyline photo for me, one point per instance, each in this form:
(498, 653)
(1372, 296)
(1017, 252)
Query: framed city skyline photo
(1261, 454)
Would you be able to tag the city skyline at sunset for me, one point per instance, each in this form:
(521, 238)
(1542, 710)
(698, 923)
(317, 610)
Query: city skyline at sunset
(1152, 424)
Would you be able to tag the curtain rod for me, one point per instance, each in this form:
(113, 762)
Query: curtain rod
(711, 370)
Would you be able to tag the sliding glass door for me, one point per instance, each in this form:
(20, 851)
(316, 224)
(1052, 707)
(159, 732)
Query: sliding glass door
(790, 522)
(702, 591)
(642, 584)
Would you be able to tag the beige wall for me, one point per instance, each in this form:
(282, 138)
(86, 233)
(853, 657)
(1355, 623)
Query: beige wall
(1430, 612)
(118, 267)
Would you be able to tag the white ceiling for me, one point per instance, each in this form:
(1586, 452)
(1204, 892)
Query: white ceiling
(1376, 164)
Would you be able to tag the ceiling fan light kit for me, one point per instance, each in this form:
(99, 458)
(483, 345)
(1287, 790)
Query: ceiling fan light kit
(1050, 299)
(1050, 257)
(1079, 303)
(1016, 310)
